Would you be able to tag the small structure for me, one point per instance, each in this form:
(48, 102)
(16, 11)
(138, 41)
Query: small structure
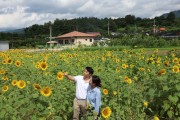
(4, 45)
(52, 43)
(76, 38)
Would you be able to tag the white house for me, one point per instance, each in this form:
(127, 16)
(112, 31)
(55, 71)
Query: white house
(76, 38)
(4, 45)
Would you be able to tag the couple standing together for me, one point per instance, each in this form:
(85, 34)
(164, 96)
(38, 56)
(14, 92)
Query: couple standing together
(87, 93)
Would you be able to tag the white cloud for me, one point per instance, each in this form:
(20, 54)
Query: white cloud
(23, 13)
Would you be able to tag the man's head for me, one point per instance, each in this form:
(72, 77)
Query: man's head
(88, 71)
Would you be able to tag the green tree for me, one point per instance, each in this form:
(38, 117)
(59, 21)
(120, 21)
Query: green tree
(130, 19)
(171, 17)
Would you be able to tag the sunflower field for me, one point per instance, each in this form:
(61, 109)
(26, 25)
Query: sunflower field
(135, 85)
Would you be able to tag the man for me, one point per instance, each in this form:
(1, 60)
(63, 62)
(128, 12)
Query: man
(82, 83)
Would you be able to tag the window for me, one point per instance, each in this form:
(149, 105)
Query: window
(90, 40)
(66, 41)
(72, 40)
(86, 39)
(61, 41)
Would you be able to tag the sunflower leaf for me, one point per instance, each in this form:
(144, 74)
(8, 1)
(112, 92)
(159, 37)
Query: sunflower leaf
(35, 95)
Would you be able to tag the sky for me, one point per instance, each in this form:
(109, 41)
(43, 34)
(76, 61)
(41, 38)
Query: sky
(15, 14)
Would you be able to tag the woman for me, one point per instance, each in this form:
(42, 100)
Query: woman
(94, 96)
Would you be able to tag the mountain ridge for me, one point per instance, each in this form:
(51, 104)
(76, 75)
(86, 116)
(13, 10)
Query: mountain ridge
(177, 14)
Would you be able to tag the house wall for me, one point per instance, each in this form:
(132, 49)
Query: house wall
(77, 41)
(84, 41)
(4, 45)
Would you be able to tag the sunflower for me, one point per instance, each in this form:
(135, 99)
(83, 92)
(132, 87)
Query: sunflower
(145, 104)
(124, 66)
(5, 88)
(117, 60)
(21, 84)
(9, 61)
(5, 78)
(106, 112)
(131, 66)
(14, 82)
(2, 72)
(118, 70)
(60, 76)
(109, 54)
(175, 69)
(114, 93)
(156, 50)
(4, 62)
(175, 60)
(17, 63)
(150, 60)
(124, 50)
(173, 55)
(36, 86)
(105, 91)
(155, 118)
(128, 80)
(141, 69)
(70, 55)
(162, 72)
(103, 58)
(60, 56)
(46, 91)
(166, 63)
(87, 104)
(1, 54)
(43, 65)
(37, 65)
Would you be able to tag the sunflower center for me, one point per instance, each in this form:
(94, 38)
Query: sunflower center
(105, 112)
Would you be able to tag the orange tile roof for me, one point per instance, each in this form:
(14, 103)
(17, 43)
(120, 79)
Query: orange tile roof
(75, 34)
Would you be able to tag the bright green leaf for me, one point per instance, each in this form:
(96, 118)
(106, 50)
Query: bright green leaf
(170, 114)
(173, 99)
(165, 88)
(166, 106)
(178, 87)
(2, 113)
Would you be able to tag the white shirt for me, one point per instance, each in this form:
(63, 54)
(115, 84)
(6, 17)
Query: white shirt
(81, 87)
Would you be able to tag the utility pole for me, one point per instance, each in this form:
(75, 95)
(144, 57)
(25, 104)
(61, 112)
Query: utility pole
(154, 27)
(50, 28)
(108, 27)
(12, 41)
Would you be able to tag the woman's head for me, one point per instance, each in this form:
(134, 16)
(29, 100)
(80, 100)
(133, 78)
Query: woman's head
(95, 81)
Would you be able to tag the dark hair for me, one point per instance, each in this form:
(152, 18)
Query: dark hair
(96, 80)
(90, 70)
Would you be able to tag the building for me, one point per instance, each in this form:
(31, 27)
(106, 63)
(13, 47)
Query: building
(4, 45)
(76, 38)
(52, 43)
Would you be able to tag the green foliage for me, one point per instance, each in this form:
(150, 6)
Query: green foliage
(141, 41)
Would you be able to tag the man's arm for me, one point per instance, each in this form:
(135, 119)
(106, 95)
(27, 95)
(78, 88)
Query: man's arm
(69, 77)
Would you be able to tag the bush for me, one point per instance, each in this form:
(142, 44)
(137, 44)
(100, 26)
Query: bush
(147, 41)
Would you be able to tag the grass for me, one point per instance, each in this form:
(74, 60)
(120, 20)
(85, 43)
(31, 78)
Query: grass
(120, 48)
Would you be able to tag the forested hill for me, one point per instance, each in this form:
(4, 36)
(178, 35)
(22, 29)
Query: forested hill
(93, 24)
(176, 13)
